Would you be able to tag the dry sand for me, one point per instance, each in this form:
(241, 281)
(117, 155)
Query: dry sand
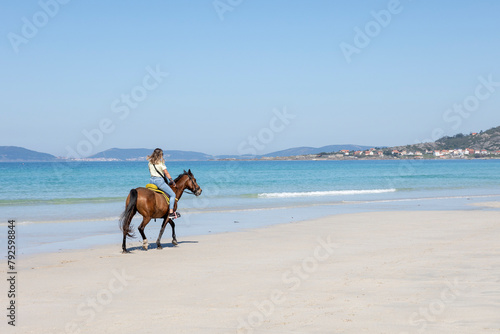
(392, 272)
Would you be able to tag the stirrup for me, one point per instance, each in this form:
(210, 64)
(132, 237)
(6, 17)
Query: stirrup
(174, 215)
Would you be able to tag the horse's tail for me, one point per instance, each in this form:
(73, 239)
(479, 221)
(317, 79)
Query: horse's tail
(128, 214)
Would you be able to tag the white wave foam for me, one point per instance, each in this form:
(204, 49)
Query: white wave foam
(325, 193)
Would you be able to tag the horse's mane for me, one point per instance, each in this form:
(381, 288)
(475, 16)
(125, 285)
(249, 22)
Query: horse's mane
(180, 175)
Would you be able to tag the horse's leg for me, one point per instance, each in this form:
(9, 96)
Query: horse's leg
(158, 241)
(174, 239)
(124, 247)
(145, 221)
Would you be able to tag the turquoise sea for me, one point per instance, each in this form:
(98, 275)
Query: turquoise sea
(66, 205)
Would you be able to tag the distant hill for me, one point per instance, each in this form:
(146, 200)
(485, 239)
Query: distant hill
(315, 150)
(173, 155)
(15, 153)
(142, 153)
(487, 140)
(237, 157)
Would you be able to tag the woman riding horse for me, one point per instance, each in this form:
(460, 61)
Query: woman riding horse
(153, 205)
(160, 176)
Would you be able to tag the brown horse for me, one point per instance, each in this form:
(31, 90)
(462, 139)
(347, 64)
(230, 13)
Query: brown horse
(153, 205)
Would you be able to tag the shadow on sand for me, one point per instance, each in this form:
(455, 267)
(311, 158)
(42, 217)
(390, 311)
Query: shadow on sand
(164, 245)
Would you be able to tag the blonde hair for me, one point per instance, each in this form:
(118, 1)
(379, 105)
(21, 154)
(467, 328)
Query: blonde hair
(156, 157)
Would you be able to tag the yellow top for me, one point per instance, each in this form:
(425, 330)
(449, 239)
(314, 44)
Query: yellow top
(161, 167)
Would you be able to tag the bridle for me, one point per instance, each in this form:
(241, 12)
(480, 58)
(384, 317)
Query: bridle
(189, 191)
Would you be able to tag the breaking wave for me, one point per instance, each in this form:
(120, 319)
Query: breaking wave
(325, 193)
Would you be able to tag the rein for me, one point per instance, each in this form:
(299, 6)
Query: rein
(189, 191)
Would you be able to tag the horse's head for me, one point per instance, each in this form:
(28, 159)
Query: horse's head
(191, 183)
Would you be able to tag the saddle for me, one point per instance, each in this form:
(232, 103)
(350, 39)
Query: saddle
(154, 188)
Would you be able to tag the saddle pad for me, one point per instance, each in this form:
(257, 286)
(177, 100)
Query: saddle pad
(153, 187)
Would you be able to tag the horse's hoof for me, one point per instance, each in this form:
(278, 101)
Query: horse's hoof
(174, 242)
(159, 247)
(125, 251)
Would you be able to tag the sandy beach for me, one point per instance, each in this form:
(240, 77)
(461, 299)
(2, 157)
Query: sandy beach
(386, 272)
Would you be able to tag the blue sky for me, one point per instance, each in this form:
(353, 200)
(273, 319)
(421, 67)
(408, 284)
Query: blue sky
(212, 76)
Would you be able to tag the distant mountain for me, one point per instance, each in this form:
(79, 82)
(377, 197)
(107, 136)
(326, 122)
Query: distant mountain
(313, 150)
(15, 153)
(142, 153)
(487, 140)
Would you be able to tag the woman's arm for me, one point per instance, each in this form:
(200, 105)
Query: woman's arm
(167, 175)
